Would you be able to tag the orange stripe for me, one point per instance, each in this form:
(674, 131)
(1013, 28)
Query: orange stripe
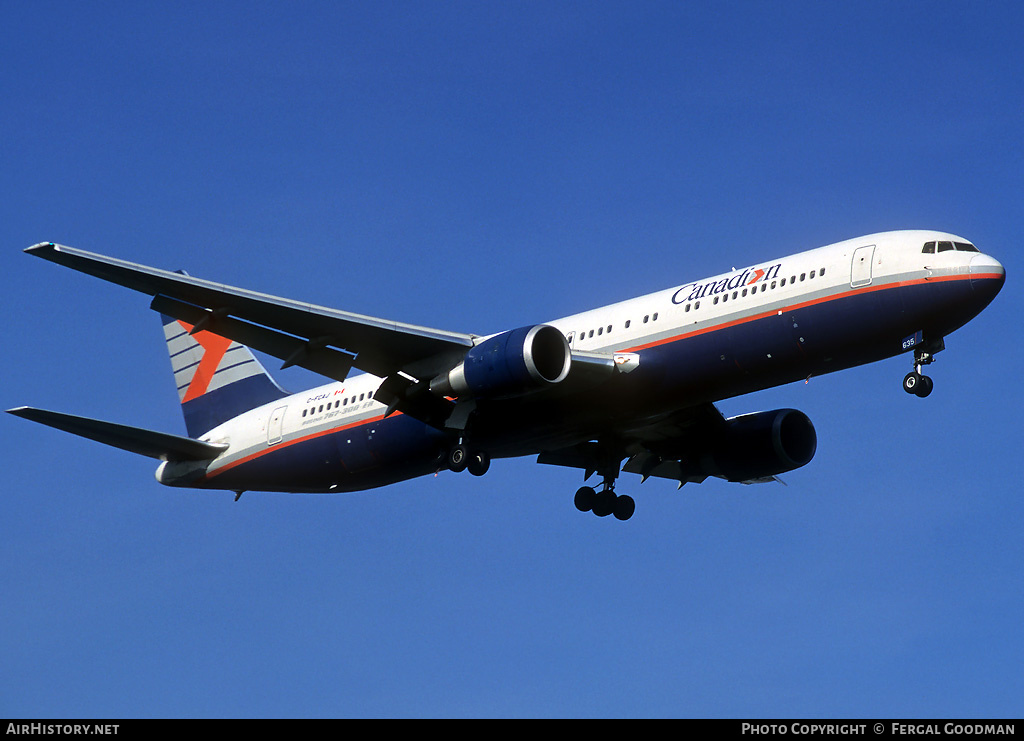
(802, 305)
(289, 443)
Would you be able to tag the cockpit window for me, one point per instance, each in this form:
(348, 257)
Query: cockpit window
(930, 248)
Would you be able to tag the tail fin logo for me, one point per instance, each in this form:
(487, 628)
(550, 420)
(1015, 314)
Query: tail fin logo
(217, 378)
(214, 348)
(204, 361)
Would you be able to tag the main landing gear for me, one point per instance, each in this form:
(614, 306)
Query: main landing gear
(915, 382)
(462, 458)
(605, 502)
(604, 458)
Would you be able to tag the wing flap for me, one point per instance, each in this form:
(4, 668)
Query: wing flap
(311, 354)
(662, 448)
(159, 445)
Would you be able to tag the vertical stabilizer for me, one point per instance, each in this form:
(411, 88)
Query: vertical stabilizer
(217, 378)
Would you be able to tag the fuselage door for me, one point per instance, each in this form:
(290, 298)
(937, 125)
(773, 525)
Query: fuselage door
(860, 270)
(275, 430)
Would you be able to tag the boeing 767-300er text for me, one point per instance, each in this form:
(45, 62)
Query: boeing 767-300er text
(628, 387)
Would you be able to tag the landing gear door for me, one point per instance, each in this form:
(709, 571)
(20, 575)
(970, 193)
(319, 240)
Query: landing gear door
(860, 269)
(275, 429)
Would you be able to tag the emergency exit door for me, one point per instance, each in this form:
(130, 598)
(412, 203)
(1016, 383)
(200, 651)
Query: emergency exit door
(275, 430)
(860, 270)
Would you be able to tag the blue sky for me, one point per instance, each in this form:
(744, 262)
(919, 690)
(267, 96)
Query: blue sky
(477, 167)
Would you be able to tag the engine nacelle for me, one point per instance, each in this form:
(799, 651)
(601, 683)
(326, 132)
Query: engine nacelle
(509, 364)
(764, 444)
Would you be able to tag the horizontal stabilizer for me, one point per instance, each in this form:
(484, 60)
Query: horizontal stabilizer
(133, 439)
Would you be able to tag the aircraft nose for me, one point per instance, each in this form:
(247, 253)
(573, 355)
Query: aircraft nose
(987, 275)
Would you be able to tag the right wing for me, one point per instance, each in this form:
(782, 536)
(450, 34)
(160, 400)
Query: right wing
(324, 340)
(691, 444)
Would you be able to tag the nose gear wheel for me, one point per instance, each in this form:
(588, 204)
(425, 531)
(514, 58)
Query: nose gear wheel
(916, 382)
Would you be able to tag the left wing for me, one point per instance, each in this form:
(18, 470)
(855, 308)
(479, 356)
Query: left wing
(324, 340)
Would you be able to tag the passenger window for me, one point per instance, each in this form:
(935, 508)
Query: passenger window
(609, 328)
(686, 308)
(802, 276)
(763, 287)
(590, 334)
(773, 285)
(655, 317)
(782, 282)
(646, 318)
(744, 292)
(725, 297)
(945, 246)
(600, 331)
(696, 305)
(812, 274)
(627, 323)
(821, 272)
(715, 301)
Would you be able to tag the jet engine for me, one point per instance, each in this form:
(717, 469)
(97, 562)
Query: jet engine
(763, 444)
(509, 364)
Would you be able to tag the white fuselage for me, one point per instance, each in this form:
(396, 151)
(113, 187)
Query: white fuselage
(875, 262)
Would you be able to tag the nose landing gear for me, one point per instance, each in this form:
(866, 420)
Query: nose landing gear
(915, 382)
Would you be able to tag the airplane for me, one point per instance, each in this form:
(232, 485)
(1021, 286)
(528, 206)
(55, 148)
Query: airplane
(626, 388)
